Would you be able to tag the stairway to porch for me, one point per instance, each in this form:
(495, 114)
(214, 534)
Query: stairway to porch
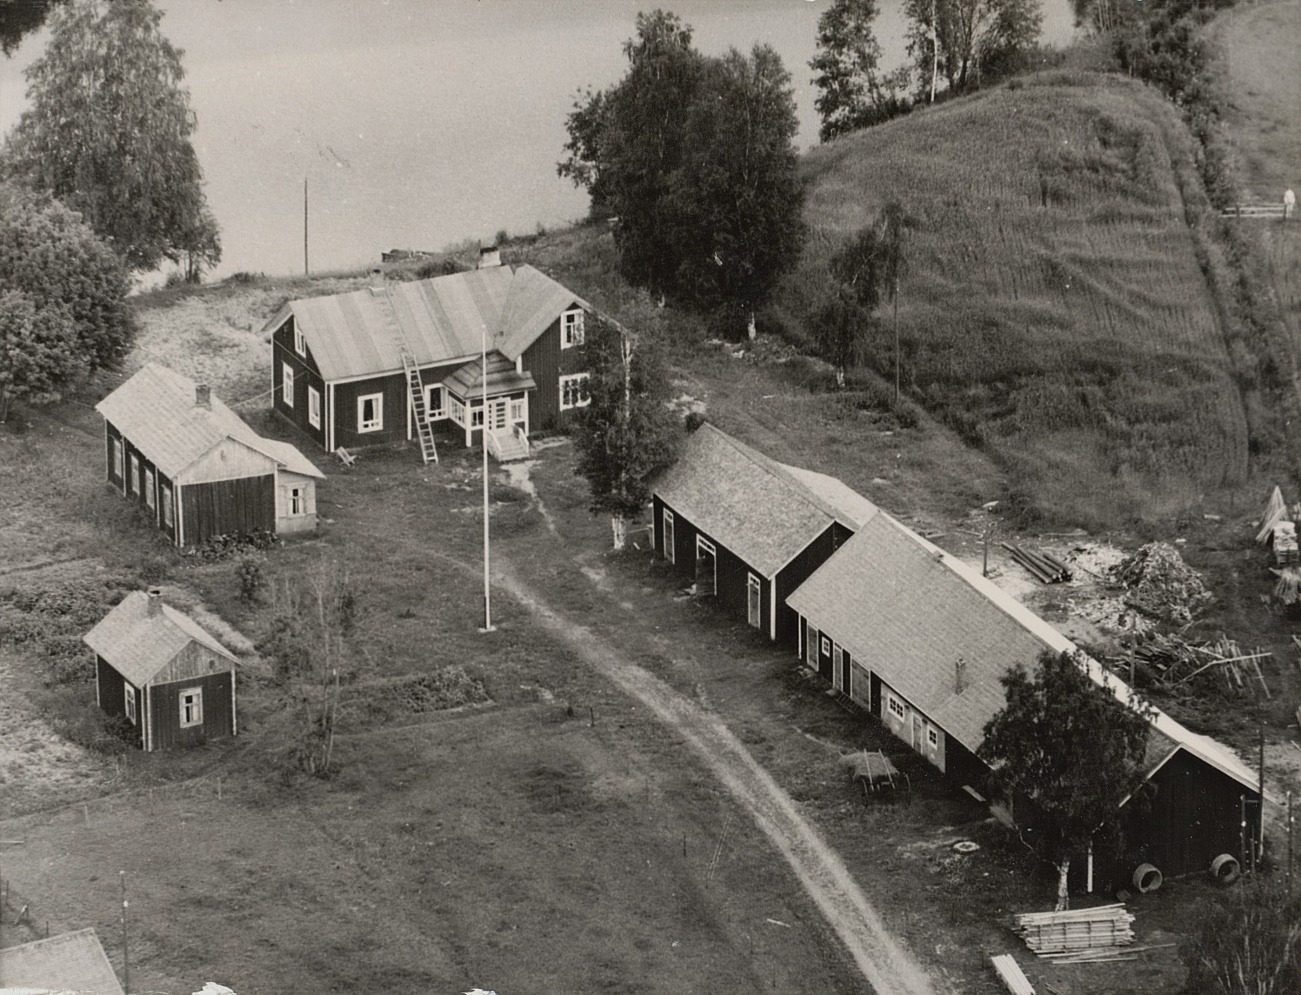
(508, 445)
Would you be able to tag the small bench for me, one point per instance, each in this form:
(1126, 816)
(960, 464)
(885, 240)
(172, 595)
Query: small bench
(345, 457)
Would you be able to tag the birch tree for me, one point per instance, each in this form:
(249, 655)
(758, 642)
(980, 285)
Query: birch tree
(852, 90)
(969, 41)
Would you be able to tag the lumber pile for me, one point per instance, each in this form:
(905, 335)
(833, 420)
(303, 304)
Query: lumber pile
(1284, 544)
(1044, 567)
(1078, 936)
(1009, 972)
(1160, 584)
(1168, 662)
(1275, 512)
(1288, 587)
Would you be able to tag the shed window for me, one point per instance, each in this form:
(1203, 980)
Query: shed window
(573, 391)
(129, 700)
(287, 384)
(571, 329)
(434, 402)
(895, 706)
(167, 504)
(932, 737)
(476, 415)
(300, 343)
(297, 501)
(135, 474)
(826, 646)
(370, 413)
(149, 487)
(313, 407)
(457, 409)
(117, 458)
(191, 707)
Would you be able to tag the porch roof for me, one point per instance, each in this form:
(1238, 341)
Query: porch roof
(468, 381)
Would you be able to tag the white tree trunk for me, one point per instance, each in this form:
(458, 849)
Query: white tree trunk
(750, 330)
(619, 526)
(1063, 898)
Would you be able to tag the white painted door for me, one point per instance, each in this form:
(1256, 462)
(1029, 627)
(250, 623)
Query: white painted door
(498, 413)
(754, 602)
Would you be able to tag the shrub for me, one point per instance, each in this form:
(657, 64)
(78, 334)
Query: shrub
(251, 579)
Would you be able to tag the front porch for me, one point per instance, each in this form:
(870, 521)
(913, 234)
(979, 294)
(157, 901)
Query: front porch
(496, 402)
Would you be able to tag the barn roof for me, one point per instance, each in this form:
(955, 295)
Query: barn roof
(468, 380)
(910, 611)
(138, 642)
(444, 318)
(763, 511)
(155, 409)
(69, 962)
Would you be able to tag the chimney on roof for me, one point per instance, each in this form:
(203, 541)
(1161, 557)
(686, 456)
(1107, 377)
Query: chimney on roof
(489, 256)
(202, 396)
(377, 282)
(155, 600)
(960, 676)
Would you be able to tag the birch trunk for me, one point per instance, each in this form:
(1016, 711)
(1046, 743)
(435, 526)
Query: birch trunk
(619, 526)
(1063, 898)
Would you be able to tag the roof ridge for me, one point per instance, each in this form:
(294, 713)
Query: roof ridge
(760, 460)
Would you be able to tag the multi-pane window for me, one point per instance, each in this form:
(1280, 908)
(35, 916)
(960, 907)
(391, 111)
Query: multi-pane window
(476, 415)
(932, 737)
(571, 329)
(370, 413)
(129, 700)
(191, 707)
(895, 706)
(434, 402)
(826, 646)
(300, 344)
(149, 488)
(573, 391)
(458, 410)
(287, 384)
(167, 505)
(117, 458)
(313, 407)
(135, 474)
(517, 410)
(297, 501)
(669, 551)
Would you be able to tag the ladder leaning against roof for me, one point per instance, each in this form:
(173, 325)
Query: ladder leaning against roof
(415, 384)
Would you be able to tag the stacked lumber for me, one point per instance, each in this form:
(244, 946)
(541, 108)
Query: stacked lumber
(1275, 512)
(1009, 972)
(1044, 567)
(1160, 584)
(1285, 544)
(1077, 936)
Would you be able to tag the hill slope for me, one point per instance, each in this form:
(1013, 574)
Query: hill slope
(1056, 311)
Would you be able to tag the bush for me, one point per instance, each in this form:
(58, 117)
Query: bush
(251, 579)
(86, 725)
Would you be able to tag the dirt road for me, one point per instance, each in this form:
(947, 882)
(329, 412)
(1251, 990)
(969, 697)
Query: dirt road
(888, 967)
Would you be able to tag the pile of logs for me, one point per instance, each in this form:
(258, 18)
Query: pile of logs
(1168, 662)
(1044, 567)
(1078, 936)
(1160, 584)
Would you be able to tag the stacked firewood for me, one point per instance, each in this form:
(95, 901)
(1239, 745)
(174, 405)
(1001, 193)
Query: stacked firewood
(1160, 584)
(1078, 936)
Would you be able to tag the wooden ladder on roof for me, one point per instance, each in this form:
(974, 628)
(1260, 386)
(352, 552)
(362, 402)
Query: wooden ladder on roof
(416, 387)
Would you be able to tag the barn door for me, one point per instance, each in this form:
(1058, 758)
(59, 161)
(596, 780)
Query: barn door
(667, 542)
(753, 602)
(837, 667)
(810, 646)
(919, 733)
(706, 568)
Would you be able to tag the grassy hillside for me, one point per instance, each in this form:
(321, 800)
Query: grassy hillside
(1057, 312)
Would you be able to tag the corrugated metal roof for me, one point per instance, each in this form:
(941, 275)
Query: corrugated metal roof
(763, 511)
(361, 333)
(71, 962)
(467, 381)
(910, 611)
(155, 410)
(139, 643)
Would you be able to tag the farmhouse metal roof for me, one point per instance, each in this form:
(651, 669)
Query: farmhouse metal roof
(468, 380)
(910, 612)
(444, 318)
(155, 409)
(763, 511)
(69, 962)
(138, 643)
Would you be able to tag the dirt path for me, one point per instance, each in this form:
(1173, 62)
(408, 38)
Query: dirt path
(888, 967)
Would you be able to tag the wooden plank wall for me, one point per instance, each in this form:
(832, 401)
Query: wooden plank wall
(166, 701)
(228, 506)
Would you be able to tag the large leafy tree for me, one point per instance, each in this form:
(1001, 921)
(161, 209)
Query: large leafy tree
(970, 41)
(626, 433)
(63, 268)
(108, 133)
(694, 156)
(38, 351)
(1071, 750)
(1249, 944)
(852, 90)
(20, 17)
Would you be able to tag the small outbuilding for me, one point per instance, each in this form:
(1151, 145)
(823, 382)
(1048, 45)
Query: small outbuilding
(164, 673)
(64, 964)
(195, 467)
(921, 640)
(747, 529)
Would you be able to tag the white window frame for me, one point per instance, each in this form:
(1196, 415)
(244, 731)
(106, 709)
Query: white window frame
(134, 463)
(669, 537)
(149, 488)
(377, 424)
(168, 513)
(196, 717)
(932, 737)
(286, 385)
(518, 410)
(313, 406)
(754, 589)
(575, 379)
(476, 415)
(300, 343)
(457, 410)
(119, 460)
(824, 646)
(434, 413)
(572, 328)
(895, 706)
(129, 702)
(703, 545)
(297, 501)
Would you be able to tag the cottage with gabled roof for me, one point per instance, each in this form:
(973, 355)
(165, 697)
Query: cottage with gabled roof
(162, 671)
(195, 467)
(402, 361)
(67, 964)
(921, 641)
(748, 529)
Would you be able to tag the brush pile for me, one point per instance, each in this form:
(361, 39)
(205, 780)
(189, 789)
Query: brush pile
(1167, 662)
(1161, 585)
(1077, 936)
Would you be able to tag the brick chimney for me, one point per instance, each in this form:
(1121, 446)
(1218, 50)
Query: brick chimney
(489, 256)
(202, 396)
(154, 604)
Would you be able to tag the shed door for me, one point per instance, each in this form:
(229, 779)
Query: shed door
(810, 646)
(825, 668)
(667, 519)
(706, 568)
(754, 602)
(919, 734)
(837, 668)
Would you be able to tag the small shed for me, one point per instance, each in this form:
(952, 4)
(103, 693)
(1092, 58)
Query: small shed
(69, 962)
(161, 670)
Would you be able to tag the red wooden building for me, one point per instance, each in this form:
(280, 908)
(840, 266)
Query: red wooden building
(404, 361)
(195, 468)
(161, 670)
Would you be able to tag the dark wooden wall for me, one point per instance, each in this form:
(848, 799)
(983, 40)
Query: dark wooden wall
(798, 571)
(123, 483)
(111, 689)
(223, 506)
(548, 362)
(393, 387)
(165, 702)
(306, 373)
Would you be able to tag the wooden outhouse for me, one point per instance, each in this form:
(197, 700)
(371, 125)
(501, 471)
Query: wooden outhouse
(195, 467)
(747, 529)
(161, 670)
(921, 640)
(403, 361)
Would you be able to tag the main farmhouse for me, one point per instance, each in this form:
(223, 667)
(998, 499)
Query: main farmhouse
(405, 361)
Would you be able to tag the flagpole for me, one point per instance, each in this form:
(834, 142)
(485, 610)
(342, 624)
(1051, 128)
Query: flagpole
(483, 430)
